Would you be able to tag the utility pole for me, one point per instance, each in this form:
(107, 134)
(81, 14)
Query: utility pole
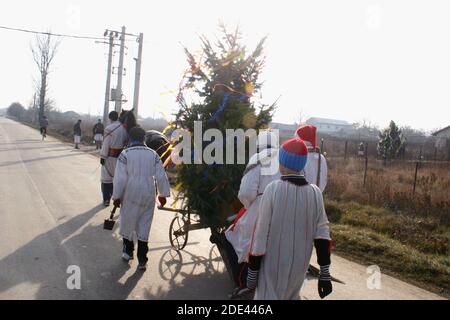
(108, 79)
(137, 79)
(118, 97)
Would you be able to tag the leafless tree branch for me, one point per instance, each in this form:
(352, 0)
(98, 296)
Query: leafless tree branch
(43, 51)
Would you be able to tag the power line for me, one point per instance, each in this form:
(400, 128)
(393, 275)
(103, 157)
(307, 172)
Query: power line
(52, 34)
(65, 35)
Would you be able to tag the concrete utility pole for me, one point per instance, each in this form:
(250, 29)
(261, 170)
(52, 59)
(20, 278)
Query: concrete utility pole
(118, 97)
(108, 79)
(137, 79)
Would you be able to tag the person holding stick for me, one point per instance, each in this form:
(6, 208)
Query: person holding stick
(138, 172)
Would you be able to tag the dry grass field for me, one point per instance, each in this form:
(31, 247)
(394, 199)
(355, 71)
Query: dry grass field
(384, 222)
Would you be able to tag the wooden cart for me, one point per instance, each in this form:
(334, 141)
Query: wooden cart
(181, 225)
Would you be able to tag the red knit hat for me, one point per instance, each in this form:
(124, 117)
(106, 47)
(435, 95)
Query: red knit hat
(293, 154)
(308, 133)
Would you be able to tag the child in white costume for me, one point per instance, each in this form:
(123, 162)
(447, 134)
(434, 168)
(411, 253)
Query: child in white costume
(257, 176)
(291, 220)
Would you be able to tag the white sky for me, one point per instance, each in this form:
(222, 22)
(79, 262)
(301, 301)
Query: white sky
(352, 60)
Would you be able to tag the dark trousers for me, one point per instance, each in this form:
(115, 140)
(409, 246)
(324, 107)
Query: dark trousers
(128, 248)
(107, 191)
(238, 270)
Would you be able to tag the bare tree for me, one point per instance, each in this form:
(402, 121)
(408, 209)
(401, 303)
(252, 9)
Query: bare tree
(44, 51)
(301, 117)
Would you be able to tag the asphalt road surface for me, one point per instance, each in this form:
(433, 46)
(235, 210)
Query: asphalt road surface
(51, 219)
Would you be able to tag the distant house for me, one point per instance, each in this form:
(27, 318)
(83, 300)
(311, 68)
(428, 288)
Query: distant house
(331, 126)
(443, 138)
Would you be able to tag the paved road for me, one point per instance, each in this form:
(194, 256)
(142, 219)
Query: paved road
(51, 218)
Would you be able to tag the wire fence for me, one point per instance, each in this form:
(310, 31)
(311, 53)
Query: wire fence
(342, 148)
(416, 186)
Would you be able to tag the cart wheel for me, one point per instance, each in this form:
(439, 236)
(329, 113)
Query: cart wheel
(178, 236)
(170, 264)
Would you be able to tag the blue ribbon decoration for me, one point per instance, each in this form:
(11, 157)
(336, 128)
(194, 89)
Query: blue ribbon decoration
(222, 107)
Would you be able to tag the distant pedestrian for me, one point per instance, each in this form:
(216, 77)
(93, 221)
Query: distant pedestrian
(361, 150)
(77, 134)
(98, 132)
(43, 124)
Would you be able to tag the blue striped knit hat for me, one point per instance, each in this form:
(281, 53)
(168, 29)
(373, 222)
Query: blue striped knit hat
(293, 154)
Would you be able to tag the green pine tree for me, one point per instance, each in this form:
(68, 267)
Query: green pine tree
(392, 142)
(225, 83)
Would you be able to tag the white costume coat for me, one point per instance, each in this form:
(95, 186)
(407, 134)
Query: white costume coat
(290, 218)
(138, 169)
(312, 164)
(262, 169)
(116, 137)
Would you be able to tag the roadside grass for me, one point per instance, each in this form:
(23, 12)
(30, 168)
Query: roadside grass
(412, 248)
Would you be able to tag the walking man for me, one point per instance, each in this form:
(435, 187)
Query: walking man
(98, 132)
(139, 171)
(43, 124)
(77, 134)
(114, 141)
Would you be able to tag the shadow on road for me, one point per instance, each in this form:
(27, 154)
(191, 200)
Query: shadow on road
(21, 141)
(11, 163)
(190, 276)
(47, 148)
(40, 266)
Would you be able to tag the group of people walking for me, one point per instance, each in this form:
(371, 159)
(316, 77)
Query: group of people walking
(270, 243)
(97, 130)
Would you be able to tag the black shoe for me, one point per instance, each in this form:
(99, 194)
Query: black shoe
(213, 239)
(106, 203)
(142, 266)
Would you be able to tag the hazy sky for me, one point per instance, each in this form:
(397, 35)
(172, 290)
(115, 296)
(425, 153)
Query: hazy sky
(352, 60)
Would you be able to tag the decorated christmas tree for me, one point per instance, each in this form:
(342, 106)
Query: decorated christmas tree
(224, 78)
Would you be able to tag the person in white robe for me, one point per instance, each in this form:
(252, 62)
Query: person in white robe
(316, 159)
(291, 220)
(138, 177)
(261, 170)
(114, 141)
